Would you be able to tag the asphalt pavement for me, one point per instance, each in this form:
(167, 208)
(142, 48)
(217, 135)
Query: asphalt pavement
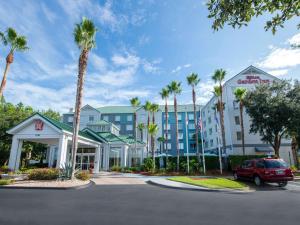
(143, 204)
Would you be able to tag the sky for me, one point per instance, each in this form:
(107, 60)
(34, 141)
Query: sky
(142, 45)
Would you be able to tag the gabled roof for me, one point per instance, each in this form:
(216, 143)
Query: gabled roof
(59, 125)
(130, 139)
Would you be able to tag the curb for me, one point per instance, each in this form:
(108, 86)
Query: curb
(91, 183)
(199, 188)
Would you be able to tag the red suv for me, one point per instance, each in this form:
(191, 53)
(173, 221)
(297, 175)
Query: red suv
(264, 170)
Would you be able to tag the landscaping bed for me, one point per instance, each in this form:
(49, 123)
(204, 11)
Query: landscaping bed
(214, 183)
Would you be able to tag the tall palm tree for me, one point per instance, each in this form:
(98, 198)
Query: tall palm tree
(84, 36)
(152, 130)
(17, 43)
(135, 103)
(175, 88)
(147, 108)
(141, 127)
(218, 77)
(154, 108)
(193, 81)
(240, 94)
(161, 141)
(164, 94)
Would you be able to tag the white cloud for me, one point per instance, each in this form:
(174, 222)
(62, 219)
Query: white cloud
(295, 40)
(99, 63)
(50, 15)
(205, 92)
(281, 72)
(180, 67)
(127, 60)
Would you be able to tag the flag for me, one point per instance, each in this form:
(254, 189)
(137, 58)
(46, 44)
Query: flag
(199, 123)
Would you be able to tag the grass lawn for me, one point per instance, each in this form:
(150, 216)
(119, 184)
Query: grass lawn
(5, 182)
(217, 183)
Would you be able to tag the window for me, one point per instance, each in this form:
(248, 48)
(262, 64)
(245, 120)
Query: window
(216, 128)
(237, 120)
(246, 164)
(129, 127)
(118, 126)
(191, 116)
(204, 124)
(210, 131)
(117, 118)
(192, 146)
(211, 142)
(181, 146)
(235, 105)
(217, 141)
(129, 118)
(169, 127)
(91, 118)
(179, 117)
(169, 146)
(105, 118)
(209, 120)
(180, 126)
(191, 126)
(180, 135)
(206, 144)
(260, 164)
(70, 119)
(169, 136)
(239, 135)
(205, 134)
(191, 135)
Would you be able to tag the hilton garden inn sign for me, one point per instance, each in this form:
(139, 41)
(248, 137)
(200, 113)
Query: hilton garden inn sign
(96, 150)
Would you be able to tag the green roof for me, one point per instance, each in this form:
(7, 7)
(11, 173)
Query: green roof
(130, 139)
(130, 109)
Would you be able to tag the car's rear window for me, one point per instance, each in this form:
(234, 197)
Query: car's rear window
(275, 164)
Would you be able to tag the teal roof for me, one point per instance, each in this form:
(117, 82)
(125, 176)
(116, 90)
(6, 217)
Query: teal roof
(130, 109)
(130, 139)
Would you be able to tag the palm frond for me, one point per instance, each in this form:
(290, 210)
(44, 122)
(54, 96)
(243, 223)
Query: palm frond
(85, 34)
(135, 102)
(20, 44)
(164, 93)
(193, 79)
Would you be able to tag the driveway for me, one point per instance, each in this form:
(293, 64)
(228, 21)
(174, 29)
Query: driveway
(136, 204)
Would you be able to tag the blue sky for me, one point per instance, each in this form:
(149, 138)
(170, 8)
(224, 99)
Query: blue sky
(141, 47)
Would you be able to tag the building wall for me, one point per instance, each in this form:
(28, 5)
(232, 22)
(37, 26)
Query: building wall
(124, 121)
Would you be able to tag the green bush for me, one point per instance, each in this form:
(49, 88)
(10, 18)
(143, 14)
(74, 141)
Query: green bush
(83, 175)
(43, 174)
(148, 164)
(4, 169)
(116, 169)
(236, 160)
(5, 182)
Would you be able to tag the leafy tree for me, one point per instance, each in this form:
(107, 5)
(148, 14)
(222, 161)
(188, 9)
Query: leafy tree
(135, 103)
(270, 112)
(152, 130)
(164, 94)
(238, 13)
(16, 43)
(218, 77)
(240, 94)
(51, 114)
(193, 81)
(84, 36)
(175, 88)
(147, 108)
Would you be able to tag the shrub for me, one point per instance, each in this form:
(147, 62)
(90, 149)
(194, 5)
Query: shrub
(148, 164)
(4, 169)
(116, 169)
(294, 169)
(43, 174)
(83, 175)
(5, 182)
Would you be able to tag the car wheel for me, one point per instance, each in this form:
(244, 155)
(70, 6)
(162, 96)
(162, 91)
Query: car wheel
(282, 183)
(257, 181)
(235, 176)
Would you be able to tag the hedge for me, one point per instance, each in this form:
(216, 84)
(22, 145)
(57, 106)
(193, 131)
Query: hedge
(43, 174)
(236, 160)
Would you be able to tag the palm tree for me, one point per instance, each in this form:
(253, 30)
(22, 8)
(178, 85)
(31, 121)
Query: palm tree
(161, 140)
(164, 94)
(141, 127)
(135, 102)
(154, 108)
(240, 94)
(152, 130)
(193, 81)
(16, 43)
(175, 88)
(147, 108)
(84, 36)
(218, 77)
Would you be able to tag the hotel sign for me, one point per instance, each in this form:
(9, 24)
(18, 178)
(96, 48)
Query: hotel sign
(251, 79)
(39, 125)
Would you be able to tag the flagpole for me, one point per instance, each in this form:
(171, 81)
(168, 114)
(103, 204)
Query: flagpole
(219, 146)
(187, 143)
(202, 142)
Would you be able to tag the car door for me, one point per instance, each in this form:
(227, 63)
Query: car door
(249, 169)
(242, 169)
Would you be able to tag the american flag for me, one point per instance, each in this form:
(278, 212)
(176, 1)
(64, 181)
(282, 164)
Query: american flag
(199, 123)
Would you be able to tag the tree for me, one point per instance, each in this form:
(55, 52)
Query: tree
(239, 13)
(135, 103)
(84, 36)
(147, 108)
(161, 140)
(154, 108)
(141, 127)
(240, 94)
(152, 130)
(16, 42)
(218, 77)
(270, 112)
(164, 94)
(175, 88)
(193, 81)
(51, 114)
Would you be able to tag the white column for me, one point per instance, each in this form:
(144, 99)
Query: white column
(124, 152)
(62, 151)
(97, 159)
(106, 156)
(129, 155)
(15, 154)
